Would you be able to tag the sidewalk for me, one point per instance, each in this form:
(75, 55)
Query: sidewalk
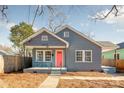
(50, 82)
(92, 78)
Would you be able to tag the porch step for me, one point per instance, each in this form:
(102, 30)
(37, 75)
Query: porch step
(55, 72)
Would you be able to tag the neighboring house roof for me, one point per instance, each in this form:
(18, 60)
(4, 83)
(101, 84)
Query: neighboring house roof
(2, 52)
(79, 33)
(107, 45)
(46, 30)
(121, 45)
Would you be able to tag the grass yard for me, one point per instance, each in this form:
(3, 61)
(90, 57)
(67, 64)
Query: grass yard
(64, 83)
(87, 74)
(23, 80)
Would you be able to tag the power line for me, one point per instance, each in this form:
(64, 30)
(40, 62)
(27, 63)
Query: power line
(29, 8)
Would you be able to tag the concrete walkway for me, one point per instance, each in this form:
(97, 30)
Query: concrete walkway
(92, 78)
(50, 82)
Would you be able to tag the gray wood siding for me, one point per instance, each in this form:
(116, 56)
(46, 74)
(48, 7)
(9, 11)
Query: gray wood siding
(52, 41)
(79, 43)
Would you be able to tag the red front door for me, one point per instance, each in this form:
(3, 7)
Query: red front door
(59, 58)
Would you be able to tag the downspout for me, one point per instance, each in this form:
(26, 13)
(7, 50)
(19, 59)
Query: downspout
(65, 55)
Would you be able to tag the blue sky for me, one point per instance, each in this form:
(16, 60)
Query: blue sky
(80, 17)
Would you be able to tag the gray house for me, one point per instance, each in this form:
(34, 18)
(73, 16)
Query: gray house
(66, 49)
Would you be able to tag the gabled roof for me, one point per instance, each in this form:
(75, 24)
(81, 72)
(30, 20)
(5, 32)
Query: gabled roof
(46, 30)
(79, 33)
(121, 45)
(108, 44)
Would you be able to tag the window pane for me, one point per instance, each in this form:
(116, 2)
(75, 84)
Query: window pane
(118, 57)
(66, 34)
(48, 56)
(79, 55)
(44, 38)
(88, 56)
(39, 55)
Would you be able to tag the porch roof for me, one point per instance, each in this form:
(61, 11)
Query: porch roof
(31, 47)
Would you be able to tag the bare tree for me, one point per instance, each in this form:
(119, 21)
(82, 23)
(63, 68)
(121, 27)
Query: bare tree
(115, 10)
(41, 10)
(56, 21)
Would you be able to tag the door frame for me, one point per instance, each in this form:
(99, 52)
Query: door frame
(56, 57)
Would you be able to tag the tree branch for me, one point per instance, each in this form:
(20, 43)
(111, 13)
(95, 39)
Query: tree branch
(2, 10)
(114, 7)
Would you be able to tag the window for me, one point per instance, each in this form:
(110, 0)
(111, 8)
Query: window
(66, 34)
(39, 55)
(44, 38)
(79, 56)
(43, 55)
(48, 56)
(83, 55)
(116, 56)
(88, 55)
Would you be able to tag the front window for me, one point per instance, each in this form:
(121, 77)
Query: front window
(48, 55)
(39, 55)
(88, 55)
(79, 56)
(44, 56)
(83, 55)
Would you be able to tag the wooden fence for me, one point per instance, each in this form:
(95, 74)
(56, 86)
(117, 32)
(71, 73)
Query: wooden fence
(108, 62)
(10, 63)
(119, 64)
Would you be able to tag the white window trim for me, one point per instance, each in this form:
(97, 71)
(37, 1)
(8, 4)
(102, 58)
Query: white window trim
(66, 36)
(83, 60)
(37, 57)
(44, 60)
(45, 38)
(45, 56)
(76, 56)
(91, 56)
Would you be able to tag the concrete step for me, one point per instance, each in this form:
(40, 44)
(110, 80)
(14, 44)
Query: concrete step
(55, 72)
(108, 69)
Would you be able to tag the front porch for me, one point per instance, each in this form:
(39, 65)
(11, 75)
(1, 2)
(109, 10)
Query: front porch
(49, 70)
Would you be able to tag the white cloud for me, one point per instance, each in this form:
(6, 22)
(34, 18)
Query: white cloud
(35, 28)
(111, 19)
(84, 24)
(6, 25)
(120, 30)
